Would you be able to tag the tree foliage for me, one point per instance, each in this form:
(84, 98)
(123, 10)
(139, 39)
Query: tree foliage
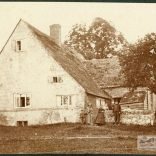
(95, 41)
(139, 63)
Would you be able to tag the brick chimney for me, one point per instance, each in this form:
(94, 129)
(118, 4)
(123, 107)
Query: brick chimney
(55, 33)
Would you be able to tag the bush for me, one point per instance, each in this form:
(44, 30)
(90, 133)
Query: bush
(3, 119)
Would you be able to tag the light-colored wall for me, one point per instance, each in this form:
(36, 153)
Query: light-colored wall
(154, 101)
(28, 72)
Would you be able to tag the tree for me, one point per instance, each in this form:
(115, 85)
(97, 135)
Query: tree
(139, 63)
(96, 41)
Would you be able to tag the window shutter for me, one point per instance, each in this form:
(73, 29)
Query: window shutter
(70, 100)
(98, 103)
(13, 45)
(28, 99)
(65, 100)
(58, 98)
(60, 79)
(75, 100)
(105, 105)
(24, 45)
(61, 100)
(50, 79)
(17, 100)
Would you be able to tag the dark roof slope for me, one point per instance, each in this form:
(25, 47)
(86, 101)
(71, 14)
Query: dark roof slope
(133, 97)
(106, 72)
(117, 92)
(70, 63)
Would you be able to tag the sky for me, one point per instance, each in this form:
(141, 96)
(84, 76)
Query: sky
(133, 20)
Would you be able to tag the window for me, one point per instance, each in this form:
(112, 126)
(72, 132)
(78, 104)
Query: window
(18, 45)
(100, 103)
(57, 79)
(22, 123)
(22, 100)
(64, 100)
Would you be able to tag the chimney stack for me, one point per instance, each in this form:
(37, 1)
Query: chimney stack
(55, 33)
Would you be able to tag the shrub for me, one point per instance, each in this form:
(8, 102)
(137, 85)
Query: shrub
(3, 119)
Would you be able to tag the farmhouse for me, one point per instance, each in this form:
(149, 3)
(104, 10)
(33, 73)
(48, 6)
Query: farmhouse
(42, 82)
(106, 72)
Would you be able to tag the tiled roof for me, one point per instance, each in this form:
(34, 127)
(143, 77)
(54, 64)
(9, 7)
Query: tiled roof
(106, 72)
(117, 92)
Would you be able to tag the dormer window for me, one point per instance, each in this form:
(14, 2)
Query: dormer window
(18, 45)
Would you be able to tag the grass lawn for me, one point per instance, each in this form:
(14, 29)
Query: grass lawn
(73, 138)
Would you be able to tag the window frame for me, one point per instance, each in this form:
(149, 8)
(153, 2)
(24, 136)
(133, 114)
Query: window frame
(62, 100)
(17, 100)
(18, 45)
(22, 123)
(101, 103)
(57, 79)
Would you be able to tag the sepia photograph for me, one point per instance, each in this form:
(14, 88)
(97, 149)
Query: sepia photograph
(77, 78)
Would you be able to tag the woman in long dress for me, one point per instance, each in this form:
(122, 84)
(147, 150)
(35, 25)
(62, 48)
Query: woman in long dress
(100, 119)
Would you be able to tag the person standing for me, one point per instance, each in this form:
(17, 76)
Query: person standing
(83, 117)
(89, 114)
(100, 119)
(117, 112)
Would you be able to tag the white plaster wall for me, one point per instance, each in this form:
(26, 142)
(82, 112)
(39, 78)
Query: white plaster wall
(28, 72)
(40, 116)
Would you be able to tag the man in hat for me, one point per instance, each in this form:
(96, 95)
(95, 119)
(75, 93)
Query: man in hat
(117, 112)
